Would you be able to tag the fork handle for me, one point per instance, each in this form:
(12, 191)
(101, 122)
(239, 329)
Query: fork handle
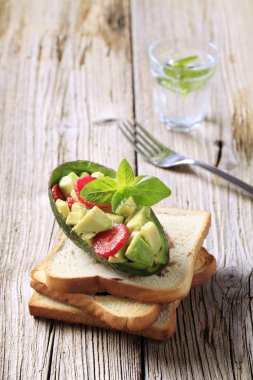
(226, 176)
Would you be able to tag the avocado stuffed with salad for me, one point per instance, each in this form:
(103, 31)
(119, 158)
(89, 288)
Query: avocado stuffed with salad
(108, 214)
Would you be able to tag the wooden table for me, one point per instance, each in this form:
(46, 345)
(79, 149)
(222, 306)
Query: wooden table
(65, 65)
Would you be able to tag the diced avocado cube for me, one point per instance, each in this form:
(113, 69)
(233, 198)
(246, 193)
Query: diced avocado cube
(88, 235)
(128, 207)
(94, 221)
(67, 182)
(74, 217)
(84, 174)
(74, 196)
(140, 252)
(119, 257)
(115, 218)
(62, 207)
(97, 175)
(139, 219)
(129, 218)
(133, 235)
(151, 236)
(78, 206)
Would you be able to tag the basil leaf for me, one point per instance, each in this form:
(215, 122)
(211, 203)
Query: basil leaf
(137, 179)
(125, 174)
(119, 198)
(100, 191)
(149, 191)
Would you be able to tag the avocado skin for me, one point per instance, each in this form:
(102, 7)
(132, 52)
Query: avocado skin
(82, 166)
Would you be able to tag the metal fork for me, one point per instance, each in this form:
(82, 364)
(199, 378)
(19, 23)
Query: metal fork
(160, 155)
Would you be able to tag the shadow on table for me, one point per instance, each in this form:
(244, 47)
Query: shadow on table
(211, 332)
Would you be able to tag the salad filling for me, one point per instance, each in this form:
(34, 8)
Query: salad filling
(113, 217)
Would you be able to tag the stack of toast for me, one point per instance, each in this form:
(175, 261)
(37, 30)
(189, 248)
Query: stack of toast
(71, 286)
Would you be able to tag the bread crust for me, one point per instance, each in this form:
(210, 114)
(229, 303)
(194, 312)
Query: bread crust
(78, 316)
(205, 266)
(125, 288)
(205, 271)
(83, 317)
(89, 303)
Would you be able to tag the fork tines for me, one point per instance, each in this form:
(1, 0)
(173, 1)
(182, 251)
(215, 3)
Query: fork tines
(142, 141)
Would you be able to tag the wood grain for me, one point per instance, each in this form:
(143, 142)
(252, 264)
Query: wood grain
(65, 65)
(215, 322)
(57, 76)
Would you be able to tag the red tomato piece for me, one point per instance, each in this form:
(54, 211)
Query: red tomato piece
(70, 201)
(108, 243)
(78, 187)
(56, 192)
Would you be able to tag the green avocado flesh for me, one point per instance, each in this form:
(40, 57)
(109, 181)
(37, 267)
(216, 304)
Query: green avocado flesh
(95, 220)
(119, 257)
(145, 253)
(140, 252)
(66, 183)
(139, 219)
(127, 208)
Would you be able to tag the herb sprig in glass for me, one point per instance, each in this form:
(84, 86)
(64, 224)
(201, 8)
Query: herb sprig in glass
(182, 76)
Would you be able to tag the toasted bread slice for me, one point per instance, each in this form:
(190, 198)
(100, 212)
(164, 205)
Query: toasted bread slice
(119, 312)
(116, 312)
(42, 306)
(70, 270)
(161, 329)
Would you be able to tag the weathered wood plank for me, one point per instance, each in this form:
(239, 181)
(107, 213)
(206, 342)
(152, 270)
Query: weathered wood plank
(214, 323)
(63, 65)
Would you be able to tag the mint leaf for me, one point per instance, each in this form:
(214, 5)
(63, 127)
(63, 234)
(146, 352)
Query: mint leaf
(149, 191)
(100, 191)
(183, 77)
(125, 174)
(184, 61)
(119, 199)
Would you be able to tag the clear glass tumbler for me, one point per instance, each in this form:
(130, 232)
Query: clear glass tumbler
(182, 73)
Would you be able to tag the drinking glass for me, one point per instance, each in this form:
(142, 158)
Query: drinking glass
(182, 73)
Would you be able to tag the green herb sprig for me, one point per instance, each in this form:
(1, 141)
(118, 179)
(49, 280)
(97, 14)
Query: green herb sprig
(182, 77)
(145, 190)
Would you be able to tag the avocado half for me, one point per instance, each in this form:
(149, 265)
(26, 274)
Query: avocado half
(88, 166)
